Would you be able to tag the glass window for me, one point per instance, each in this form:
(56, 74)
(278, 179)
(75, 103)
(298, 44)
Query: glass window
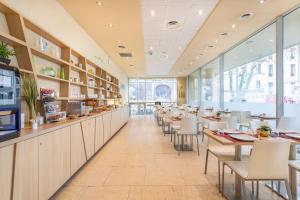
(151, 90)
(210, 84)
(291, 60)
(194, 88)
(249, 74)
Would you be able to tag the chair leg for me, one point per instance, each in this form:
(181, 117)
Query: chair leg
(219, 176)
(244, 189)
(202, 136)
(278, 186)
(257, 189)
(206, 161)
(288, 189)
(223, 179)
(182, 142)
(252, 187)
(197, 145)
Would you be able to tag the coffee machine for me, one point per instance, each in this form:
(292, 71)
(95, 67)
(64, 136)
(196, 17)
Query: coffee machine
(10, 103)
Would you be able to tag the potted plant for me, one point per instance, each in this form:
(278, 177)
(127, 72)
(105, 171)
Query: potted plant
(5, 53)
(218, 114)
(264, 131)
(30, 93)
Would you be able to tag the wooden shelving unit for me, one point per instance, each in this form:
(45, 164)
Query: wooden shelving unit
(32, 44)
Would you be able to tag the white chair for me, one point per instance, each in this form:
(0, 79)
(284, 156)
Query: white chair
(222, 152)
(232, 121)
(268, 162)
(244, 119)
(188, 127)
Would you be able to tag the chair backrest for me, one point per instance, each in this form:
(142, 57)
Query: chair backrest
(255, 124)
(269, 160)
(217, 125)
(232, 121)
(188, 125)
(236, 114)
(288, 123)
(245, 116)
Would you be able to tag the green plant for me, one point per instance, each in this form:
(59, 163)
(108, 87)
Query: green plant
(265, 128)
(5, 52)
(30, 93)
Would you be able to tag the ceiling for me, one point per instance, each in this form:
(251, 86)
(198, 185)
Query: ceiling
(164, 43)
(140, 26)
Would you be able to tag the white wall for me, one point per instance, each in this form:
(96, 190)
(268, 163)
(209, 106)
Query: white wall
(52, 17)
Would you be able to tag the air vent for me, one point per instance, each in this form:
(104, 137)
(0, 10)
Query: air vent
(249, 42)
(173, 25)
(246, 16)
(224, 34)
(121, 46)
(125, 55)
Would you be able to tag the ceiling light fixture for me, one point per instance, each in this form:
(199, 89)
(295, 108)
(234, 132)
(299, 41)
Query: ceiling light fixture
(121, 46)
(211, 46)
(99, 3)
(200, 12)
(152, 13)
(119, 41)
(262, 1)
(246, 16)
(216, 40)
(233, 26)
(110, 25)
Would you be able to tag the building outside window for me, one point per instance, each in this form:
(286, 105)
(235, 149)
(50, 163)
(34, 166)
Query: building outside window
(291, 61)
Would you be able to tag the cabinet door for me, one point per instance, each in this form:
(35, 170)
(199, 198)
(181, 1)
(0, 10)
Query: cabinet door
(106, 125)
(88, 128)
(99, 137)
(114, 122)
(54, 161)
(78, 156)
(26, 170)
(6, 171)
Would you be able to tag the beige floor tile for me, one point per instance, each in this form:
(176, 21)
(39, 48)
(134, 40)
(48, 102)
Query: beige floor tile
(126, 176)
(106, 193)
(70, 193)
(140, 163)
(151, 193)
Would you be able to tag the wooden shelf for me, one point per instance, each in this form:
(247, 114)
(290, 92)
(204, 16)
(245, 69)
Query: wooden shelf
(62, 98)
(48, 57)
(93, 75)
(78, 69)
(11, 40)
(96, 88)
(52, 78)
(25, 71)
(77, 84)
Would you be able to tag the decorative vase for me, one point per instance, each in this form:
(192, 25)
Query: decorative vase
(34, 124)
(262, 133)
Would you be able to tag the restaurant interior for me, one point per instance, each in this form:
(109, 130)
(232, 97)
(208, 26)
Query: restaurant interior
(149, 99)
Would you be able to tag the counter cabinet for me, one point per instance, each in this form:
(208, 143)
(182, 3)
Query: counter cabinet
(37, 167)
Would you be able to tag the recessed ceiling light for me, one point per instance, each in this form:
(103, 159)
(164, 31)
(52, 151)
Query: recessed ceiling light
(110, 25)
(119, 41)
(233, 26)
(262, 1)
(152, 13)
(216, 40)
(271, 40)
(180, 47)
(200, 12)
(99, 3)
(151, 48)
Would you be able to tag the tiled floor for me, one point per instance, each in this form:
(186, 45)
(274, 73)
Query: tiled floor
(139, 163)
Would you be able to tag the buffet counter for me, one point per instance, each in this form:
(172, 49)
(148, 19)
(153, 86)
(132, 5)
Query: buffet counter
(38, 162)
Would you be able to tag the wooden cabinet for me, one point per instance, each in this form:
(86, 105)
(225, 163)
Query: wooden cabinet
(99, 137)
(26, 170)
(6, 171)
(54, 161)
(78, 156)
(107, 126)
(88, 128)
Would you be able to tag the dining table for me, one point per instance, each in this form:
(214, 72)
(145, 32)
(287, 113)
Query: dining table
(262, 117)
(225, 139)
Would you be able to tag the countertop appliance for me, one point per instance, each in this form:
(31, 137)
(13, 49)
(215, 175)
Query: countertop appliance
(10, 104)
(76, 108)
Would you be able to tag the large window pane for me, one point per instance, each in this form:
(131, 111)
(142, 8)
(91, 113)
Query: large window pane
(210, 84)
(291, 60)
(151, 90)
(194, 88)
(250, 74)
